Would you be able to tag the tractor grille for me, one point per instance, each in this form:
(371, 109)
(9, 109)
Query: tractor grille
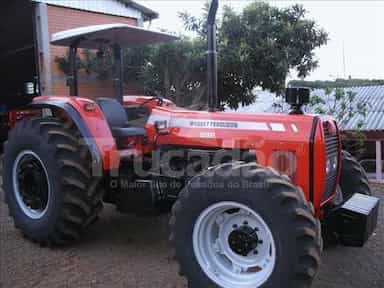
(332, 149)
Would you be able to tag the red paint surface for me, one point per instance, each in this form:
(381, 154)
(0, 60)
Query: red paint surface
(97, 125)
(264, 143)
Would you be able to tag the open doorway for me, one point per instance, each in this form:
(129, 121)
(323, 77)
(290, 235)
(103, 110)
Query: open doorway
(17, 52)
(19, 73)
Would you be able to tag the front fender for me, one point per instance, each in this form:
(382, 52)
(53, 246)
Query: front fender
(92, 125)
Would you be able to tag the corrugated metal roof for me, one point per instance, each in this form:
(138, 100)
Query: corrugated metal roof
(372, 96)
(148, 13)
(266, 102)
(124, 8)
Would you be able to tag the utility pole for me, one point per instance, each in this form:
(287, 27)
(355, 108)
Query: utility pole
(344, 63)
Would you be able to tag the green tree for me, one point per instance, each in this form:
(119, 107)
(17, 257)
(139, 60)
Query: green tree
(176, 71)
(257, 48)
(341, 104)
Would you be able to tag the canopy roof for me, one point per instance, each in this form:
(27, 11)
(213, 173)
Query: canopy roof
(92, 37)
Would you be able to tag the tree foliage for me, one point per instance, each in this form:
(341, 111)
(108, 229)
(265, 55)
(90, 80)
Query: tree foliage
(177, 72)
(257, 48)
(341, 103)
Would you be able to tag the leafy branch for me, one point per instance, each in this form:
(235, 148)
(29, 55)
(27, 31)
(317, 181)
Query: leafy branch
(343, 105)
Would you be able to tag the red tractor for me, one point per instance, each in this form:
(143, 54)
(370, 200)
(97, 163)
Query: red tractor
(249, 193)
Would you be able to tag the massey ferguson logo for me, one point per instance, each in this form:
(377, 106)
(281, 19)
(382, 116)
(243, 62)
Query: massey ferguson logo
(214, 124)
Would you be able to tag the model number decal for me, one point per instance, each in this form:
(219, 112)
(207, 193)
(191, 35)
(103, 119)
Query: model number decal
(209, 135)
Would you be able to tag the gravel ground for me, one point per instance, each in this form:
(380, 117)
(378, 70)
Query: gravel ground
(124, 251)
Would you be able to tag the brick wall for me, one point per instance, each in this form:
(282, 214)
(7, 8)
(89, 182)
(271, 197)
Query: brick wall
(60, 19)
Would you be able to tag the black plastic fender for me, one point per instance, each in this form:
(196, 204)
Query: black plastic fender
(97, 162)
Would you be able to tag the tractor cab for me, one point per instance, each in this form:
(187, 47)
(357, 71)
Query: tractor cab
(124, 121)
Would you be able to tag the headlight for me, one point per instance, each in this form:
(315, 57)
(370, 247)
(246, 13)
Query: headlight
(332, 164)
(328, 166)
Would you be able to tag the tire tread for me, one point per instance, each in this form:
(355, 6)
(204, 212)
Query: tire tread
(291, 201)
(82, 194)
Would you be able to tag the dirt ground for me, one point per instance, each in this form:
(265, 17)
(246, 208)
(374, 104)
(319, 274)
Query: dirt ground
(124, 251)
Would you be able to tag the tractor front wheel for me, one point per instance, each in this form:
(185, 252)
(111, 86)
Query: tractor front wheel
(243, 225)
(353, 177)
(353, 180)
(47, 181)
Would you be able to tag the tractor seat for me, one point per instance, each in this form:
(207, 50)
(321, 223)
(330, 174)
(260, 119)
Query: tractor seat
(117, 119)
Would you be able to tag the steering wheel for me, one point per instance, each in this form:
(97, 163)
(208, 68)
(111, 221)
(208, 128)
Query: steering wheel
(160, 100)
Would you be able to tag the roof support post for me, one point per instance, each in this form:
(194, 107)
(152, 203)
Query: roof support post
(36, 52)
(379, 162)
(44, 51)
(73, 77)
(118, 77)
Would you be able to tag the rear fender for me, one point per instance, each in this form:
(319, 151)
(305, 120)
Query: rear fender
(92, 125)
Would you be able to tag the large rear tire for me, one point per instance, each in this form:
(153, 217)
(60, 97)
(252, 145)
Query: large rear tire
(248, 230)
(47, 181)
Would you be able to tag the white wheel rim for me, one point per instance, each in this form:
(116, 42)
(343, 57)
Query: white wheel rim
(219, 261)
(27, 209)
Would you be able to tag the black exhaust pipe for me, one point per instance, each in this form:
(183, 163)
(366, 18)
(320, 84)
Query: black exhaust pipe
(212, 58)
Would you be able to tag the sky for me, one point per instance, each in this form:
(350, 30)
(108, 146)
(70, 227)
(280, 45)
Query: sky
(358, 26)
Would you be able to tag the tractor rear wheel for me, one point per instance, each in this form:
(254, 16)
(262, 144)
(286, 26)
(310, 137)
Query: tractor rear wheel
(47, 181)
(232, 231)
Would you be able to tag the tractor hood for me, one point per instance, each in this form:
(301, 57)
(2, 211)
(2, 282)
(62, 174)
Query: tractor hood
(232, 130)
(303, 141)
